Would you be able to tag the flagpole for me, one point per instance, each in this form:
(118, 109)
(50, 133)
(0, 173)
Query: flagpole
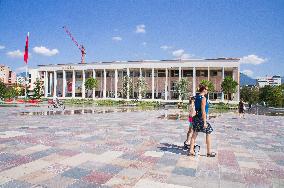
(26, 80)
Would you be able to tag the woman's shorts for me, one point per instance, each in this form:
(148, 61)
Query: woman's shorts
(198, 125)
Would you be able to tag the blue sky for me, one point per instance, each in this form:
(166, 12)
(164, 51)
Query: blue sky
(151, 29)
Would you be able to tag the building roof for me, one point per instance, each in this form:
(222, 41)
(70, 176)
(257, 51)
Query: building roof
(148, 61)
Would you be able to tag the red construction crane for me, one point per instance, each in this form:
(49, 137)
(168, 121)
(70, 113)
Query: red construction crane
(81, 47)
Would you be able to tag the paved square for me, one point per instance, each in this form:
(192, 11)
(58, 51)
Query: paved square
(133, 148)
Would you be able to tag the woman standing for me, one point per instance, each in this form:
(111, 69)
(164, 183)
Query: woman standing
(200, 123)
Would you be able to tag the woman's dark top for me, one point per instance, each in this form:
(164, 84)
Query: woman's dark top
(241, 107)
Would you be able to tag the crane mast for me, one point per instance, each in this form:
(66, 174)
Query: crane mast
(81, 47)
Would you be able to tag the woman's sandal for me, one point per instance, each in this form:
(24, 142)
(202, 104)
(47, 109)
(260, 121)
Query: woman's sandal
(212, 154)
(186, 145)
(191, 154)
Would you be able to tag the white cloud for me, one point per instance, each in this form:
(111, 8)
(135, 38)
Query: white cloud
(45, 51)
(165, 47)
(144, 43)
(180, 54)
(185, 56)
(2, 47)
(140, 28)
(248, 72)
(252, 59)
(116, 38)
(15, 54)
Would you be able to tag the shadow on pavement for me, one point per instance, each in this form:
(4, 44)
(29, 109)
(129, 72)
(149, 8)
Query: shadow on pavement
(172, 148)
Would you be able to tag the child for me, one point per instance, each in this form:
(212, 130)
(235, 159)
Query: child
(191, 113)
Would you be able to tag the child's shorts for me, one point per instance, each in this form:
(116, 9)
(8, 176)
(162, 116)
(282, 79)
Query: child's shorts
(190, 120)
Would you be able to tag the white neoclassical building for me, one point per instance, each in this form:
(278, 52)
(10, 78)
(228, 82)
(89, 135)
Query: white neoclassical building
(67, 80)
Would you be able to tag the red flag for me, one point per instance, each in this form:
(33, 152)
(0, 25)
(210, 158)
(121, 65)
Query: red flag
(26, 55)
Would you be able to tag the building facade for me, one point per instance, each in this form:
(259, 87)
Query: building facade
(269, 80)
(67, 80)
(7, 76)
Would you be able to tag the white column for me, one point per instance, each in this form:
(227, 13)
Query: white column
(208, 74)
(83, 85)
(50, 83)
(140, 76)
(223, 77)
(64, 84)
(104, 91)
(55, 84)
(128, 87)
(45, 83)
(73, 83)
(166, 85)
(194, 82)
(94, 90)
(153, 84)
(179, 79)
(115, 83)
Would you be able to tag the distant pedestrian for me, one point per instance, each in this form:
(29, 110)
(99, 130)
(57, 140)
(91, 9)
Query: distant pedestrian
(191, 113)
(200, 123)
(249, 107)
(241, 109)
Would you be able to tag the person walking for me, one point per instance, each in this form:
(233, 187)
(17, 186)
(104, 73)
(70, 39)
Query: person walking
(200, 123)
(241, 109)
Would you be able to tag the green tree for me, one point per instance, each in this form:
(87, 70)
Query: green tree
(229, 86)
(10, 93)
(37, 89)
(276, 98)
(141, 86)
(208, 84)
(249, 94)
(91, 84)
(265, 94)
(2, 90)
(182, 88)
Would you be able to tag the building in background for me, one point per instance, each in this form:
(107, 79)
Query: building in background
(7, 76)
(67, 80)
(269, 80)
(20, 80)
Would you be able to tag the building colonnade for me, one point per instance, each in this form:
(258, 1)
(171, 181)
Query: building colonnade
(73, 81)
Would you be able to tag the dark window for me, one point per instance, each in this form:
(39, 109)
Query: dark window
(147, 74)
(108, 74)
(98, 73)
(187, 73)
(136, 73)
(59, 75)
(161, 73)
(69, 75)
(203, 73)
(78, 74)
(213, 73)
(174, 73)
(228, 73)
(88, 74)
(197, 73)
(173, 86)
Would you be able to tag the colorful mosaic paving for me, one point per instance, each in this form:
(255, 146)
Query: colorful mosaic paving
(137, 149)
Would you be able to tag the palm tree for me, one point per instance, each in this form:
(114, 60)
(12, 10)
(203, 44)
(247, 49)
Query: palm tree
(229, 86)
